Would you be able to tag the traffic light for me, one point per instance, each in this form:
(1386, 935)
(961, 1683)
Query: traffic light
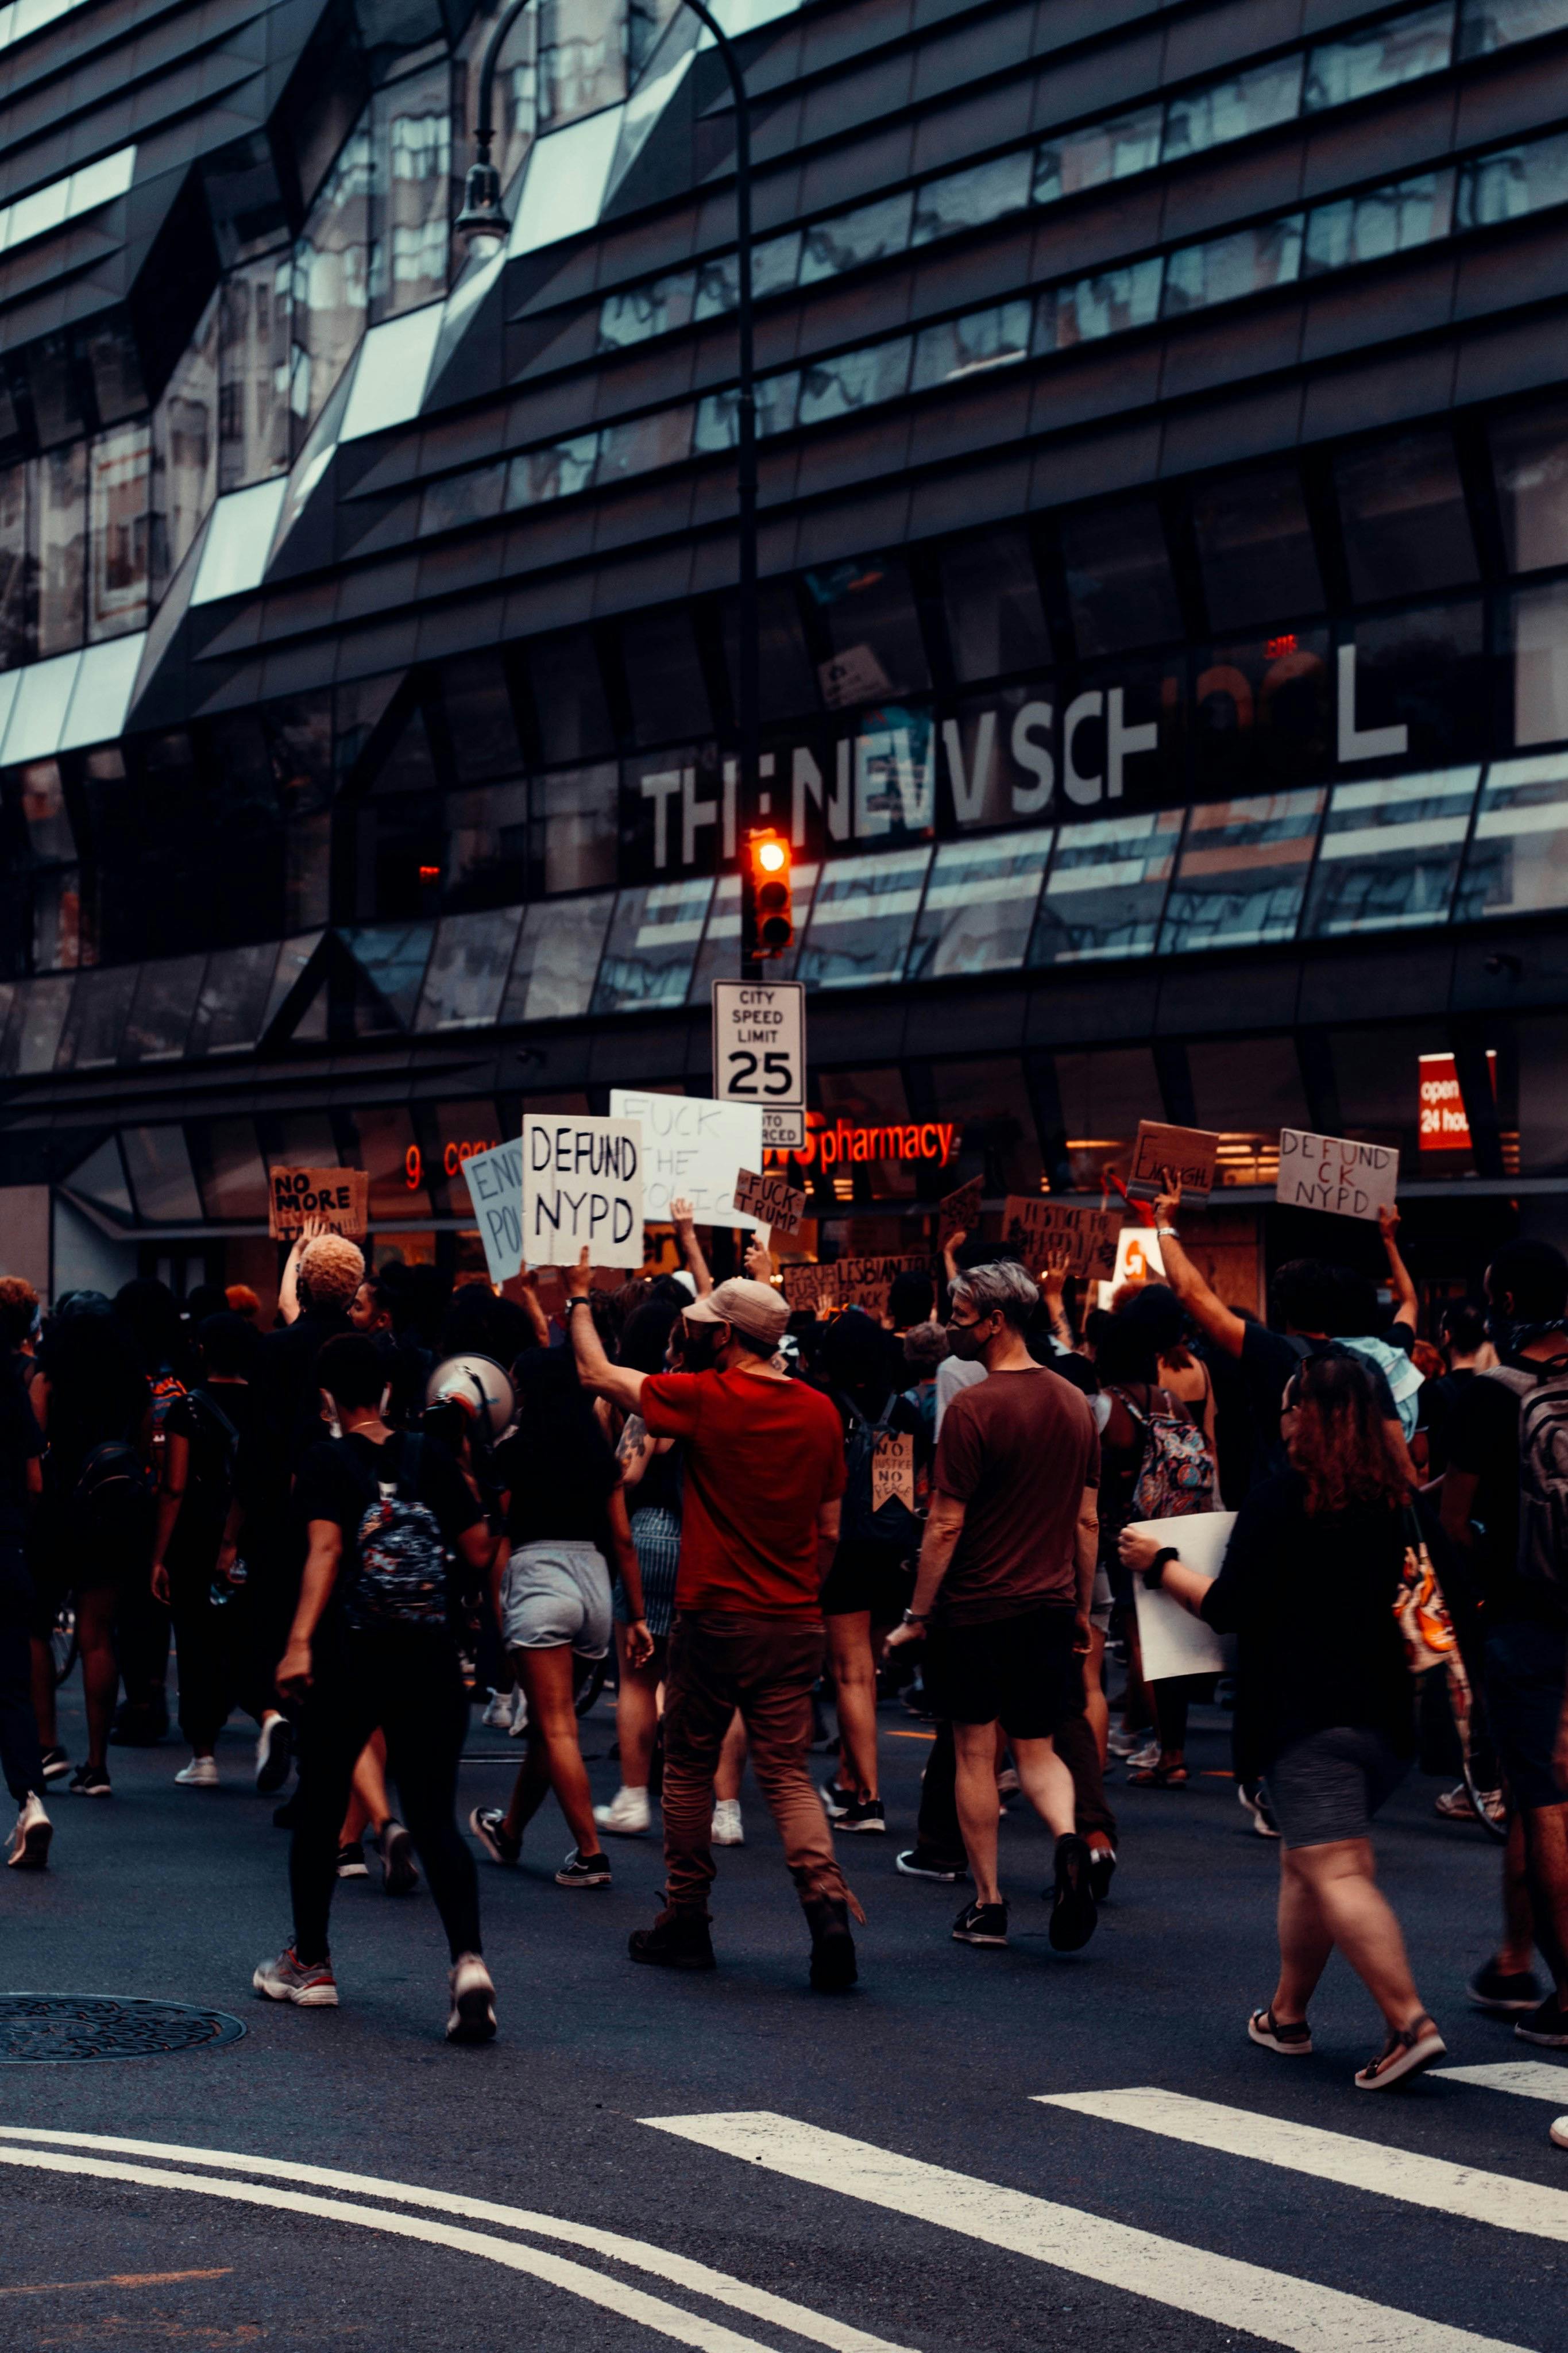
(767, 915)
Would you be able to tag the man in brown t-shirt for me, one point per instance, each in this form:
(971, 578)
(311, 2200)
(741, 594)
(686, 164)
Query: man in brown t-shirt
(1003, 1597)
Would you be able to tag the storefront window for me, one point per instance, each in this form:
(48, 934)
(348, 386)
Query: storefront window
(1242, 872)
(162, 1178)
(862, 918)
(1518, 858)
(467, 970)
(1542, 1049)
(390, 1156)
(979, 905)
(557, 959)
(450, 1132)
(652, 947)
(1377, 1080)
(1104, 1096)
(1255, 547)
(1403, 514)
(1106, 888)
(867, 1104)
(995, 622)
(161, 1011)
(988, 1102)
(1390, 853)
(1247, 1086)
(1118, 579)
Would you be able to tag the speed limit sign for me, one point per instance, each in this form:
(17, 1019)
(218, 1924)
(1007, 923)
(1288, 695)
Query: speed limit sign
(759, 1054)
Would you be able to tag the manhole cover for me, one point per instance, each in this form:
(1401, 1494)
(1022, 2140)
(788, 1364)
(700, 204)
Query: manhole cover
(51, 2029)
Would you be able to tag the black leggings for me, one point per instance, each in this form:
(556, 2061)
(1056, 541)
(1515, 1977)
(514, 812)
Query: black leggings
(410, 1685)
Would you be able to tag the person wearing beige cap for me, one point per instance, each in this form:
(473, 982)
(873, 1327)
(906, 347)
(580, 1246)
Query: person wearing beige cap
(764, 1472)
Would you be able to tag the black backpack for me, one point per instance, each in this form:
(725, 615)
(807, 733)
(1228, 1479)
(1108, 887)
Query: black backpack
(892, 1523)
(112, 1500)
(1542, 1561)
(399, 1576)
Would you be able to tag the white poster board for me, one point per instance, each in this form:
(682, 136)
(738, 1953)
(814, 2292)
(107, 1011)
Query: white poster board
(1173, 1642)
(1332, 1173)
(695, 1148)
(582, 1188)
(494, 1179)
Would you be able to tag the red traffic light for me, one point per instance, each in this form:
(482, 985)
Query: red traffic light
(767, 898)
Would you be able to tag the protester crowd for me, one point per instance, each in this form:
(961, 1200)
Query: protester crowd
(400, 1505)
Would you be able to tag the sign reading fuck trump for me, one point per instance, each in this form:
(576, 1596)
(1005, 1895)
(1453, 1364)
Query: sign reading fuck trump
(582, 1189)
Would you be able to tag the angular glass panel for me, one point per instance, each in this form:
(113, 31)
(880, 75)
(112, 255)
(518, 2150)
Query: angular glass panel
(663, 438)
(995, 622)
(864, 234)
(1406, 525)
(253, 383)
(1390, 853)
(393, 956)
(664, 678)
(1487, 25)
(477, 496)
(232, 1003)
(1530, 459)
(92, 1038)
(854, 380)
(1111, 303)
(1118, 579)
(100, 1178)
(1249, 102)
(479, 722)
(37, 1018)
(1539, 632)
(293, 956)
(961, 200)
(388, 1152)
(569, 696)
(330, 290)
(230, 1169)
(980, 905)
(116, 366)
(1242, 872)
(16, 583)
(969, 346)
(119, 479)
(576, 825)
(467, 972)
(162, 1178)
(652, 947)
(1512, 181)
(60, 480)
(1255, 547)
(638, 313)
(185, 450)
(1518, 860)
(540, 475)
(582, 58)
(869, 612)
(1401, 49)
(787, 677)
(1097, 151)
(413, 141)
(557, 959)
(862, 917)
(1426, 669)
(1249, 261)
(1106, 888)
(54, 385)
(161, 1010)
(1379, 221)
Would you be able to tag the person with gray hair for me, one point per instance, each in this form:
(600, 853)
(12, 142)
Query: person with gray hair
(1002, 1600)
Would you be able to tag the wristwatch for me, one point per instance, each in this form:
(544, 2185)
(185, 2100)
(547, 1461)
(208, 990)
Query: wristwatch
(1154, 1575)
(579, 1299)
(912, 1618)
(1168, 1234)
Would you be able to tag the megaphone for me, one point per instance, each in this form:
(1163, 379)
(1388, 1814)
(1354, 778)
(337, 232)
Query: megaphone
(478, 1386)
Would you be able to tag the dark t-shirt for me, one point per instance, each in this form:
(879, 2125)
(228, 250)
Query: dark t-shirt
(1436, 1407)
(1482, 1438)
(333, 1485)
(556, 1493)
(1018, 1450)
(21, 1442)
(1267, 1361)
(1312, 1603)
(211, 1469)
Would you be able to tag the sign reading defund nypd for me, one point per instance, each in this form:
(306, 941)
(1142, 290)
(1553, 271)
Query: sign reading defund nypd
(582, 1188)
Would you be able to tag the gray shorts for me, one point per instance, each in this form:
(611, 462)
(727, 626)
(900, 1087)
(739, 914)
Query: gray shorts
(555, 1597)
(1101, 1601)
(1329, 1785)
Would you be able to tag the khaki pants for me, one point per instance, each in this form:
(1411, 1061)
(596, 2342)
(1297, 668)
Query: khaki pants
(765, 1667)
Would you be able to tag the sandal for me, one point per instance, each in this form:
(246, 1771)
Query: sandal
(1159, 1776)
(1292, 2039)
(1405, 2054)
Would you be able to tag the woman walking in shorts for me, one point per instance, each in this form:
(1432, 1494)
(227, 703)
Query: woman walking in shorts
(1309, 1585)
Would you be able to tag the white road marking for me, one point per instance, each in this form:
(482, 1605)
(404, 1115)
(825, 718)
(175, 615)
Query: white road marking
(680, 2269)
(1273, 2306)
(1430, 2181)
(1530, 2079)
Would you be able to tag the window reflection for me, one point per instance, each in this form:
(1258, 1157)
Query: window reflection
(1118, 579)
(569, 703)
(854, 380)
(1512, 181)
(1385, 55)
(576, 825)
(120, 465)
(979, 905)
(861, 920)
(664, 439)
(1530, 458)
(467, 970)
(1248, 261)
(1379, 221)
(557, 959)
(330, 290)
(231, 1007)
(1242, 872)
(413, 136)
(161, 1180)
(228, 1168)
(1263, 708)
(1487, 25)
(92, 1037)
(392, 957)
(1390, 853)
(1095, 152)
(867, 614)
(864, 234)
(61, 479)
(1111, 303)
(1540, 634)
(1249, 102)
(1106, 888)
(968, 199)
(539, 476)
(1405, 520)
(15, 569)
(635, 312)
(161, 1010)
(1518, 858)
(184, 452)
(652, 944)
(963, 347)
(38, 1016)
(455, 500)
(664, 677)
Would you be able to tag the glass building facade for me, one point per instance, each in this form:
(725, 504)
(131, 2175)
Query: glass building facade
(1165, 688)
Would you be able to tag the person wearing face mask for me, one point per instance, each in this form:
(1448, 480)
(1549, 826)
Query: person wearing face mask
(763, 1477)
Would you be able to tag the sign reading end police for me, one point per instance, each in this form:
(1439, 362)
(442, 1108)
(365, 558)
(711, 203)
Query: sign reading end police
(582, 1188)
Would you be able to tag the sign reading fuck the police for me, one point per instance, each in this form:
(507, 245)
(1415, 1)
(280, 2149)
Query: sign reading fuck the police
(582, 1188)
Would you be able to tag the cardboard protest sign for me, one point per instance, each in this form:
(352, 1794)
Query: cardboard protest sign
(960, 1212)
(772, 1201)
(692, 1148)
(1045, 1229)
(1330, 1172)
(810, 1286)
(494, 1179)
(1173, 1642)
(866, 1281)
(1189, 1153)
(582, 1187)
(341, 1195)
(893, 1469)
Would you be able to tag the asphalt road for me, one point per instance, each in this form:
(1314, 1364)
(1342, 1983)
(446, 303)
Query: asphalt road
(927, 2072)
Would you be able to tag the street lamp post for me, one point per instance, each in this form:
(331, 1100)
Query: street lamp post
(483, 215)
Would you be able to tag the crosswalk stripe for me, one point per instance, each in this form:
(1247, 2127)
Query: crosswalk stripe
(1528, 2079)
(1430, 2181)
(1272, 2306)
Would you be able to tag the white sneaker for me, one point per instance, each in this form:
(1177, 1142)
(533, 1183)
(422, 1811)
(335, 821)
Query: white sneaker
(473, 2018)
(726, 1830)
(201, 1773)
(1123, 1743)
(497, 1714)
(30, 1838)
(626, 1815)
(1143, 1759)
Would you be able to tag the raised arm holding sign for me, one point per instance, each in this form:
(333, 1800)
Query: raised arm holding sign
(582, 1189)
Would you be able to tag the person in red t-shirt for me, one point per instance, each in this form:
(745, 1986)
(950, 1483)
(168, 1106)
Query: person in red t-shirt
(764, 1472)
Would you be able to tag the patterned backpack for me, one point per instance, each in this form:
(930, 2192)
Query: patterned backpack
(400, 1576)
(1177, 1474)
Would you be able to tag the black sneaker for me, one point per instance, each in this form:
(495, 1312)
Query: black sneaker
(1501, 1992)
(399, 1873)
(90, 1781)
(1547, 2024)
(581, 1870)
(1102, 1871)
(352, 1863)
(833, 1968)
(274, 1754)
(837, 1799)
(1073, 1915)
(859, 1815)
(677, 1940)
(488, 1826)
(56, 1764)
(919, 1863)
(981, 1924)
